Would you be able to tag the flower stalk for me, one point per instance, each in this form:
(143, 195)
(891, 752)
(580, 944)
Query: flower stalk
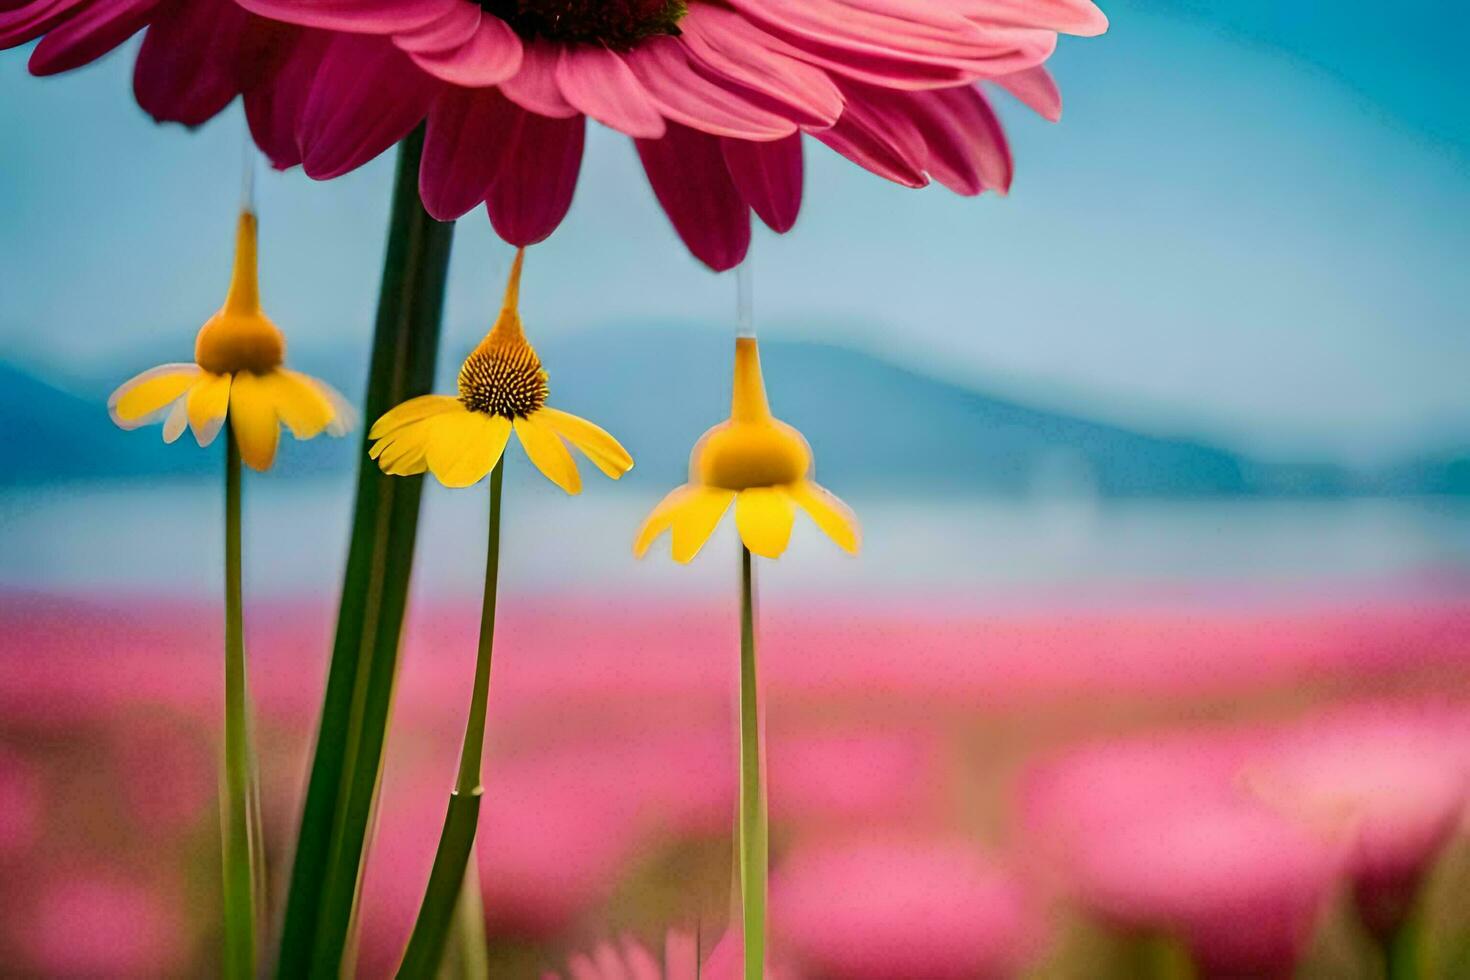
(240, 825)
(753, 830)
(457, 841)
(349, 748)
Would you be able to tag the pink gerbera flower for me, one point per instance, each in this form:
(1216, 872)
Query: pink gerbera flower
(716, 95)
(196, 56)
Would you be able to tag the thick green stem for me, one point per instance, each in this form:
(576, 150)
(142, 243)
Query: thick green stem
(239, 823)
(467, 957)
(349, 747)
(1401, 952)
(456, 842)
(753, 828)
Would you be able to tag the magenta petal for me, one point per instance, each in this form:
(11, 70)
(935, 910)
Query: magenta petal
(534, 86)
(534, 188)
(490, 56)
(769, 178)
(29, 21)
(274, 106)
(89, 35)
(469, 135)
(346, 123)
(877, 138)
(187, 67)
(684, 95)
(1036, 89)
(690, 179)
(968, 152)
(600, 83)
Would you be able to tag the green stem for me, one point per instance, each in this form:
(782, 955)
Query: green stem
(753, 825)
(239, 816)
(343, 784)
(1401, 951)
(446, 878)
(467, 956)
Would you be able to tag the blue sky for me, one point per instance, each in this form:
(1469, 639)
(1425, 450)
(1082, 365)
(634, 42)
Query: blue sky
(1252, 224)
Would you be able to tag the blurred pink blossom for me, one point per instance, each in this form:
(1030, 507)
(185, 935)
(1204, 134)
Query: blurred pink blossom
(99, 924)
(1157, 836)
(1389, 784)
(631, 960)
(20, 805)
(885, 907)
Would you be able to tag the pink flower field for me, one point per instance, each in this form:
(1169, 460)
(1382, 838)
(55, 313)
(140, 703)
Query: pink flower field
(952, 794)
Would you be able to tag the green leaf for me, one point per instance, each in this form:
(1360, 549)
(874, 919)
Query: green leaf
(349, 747)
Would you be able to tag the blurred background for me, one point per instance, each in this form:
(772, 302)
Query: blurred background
(1157, 652)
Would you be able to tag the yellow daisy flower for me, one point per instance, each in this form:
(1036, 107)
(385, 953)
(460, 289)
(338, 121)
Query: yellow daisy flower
(759, 463)
(237, 374)
(502, 389)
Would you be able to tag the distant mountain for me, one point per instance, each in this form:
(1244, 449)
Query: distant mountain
(873, 424)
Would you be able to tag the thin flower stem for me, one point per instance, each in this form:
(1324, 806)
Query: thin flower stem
(456, 842)
(341, 791)
(239, 816)
(753, 824)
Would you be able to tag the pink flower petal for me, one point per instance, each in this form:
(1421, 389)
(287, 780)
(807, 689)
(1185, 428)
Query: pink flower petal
(468, 139)
(684, 95)
(690, 179)
(879, 139)
(1036, 89)
(453, 27)
(599, 83)
(968, 152)
(534, 86)
(1079, 17)
(903, 44)
(274, 107)
(89, 35)
(491, 55)
(346, 123)
(534, 188)
(769, 178)
(358, 16)
(731, 47)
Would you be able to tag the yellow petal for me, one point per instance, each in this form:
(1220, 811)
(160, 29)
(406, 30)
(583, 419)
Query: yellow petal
(422, 407)
(600, 447)
(406, 457)
(834, 517)
(209, 400)
(253, 418)
(464, 446)
(177, 421)
(696, 519)
(138, 400)
(764, 516)
(298, 403)
(344, 416)
(659, 519)
(549, 454)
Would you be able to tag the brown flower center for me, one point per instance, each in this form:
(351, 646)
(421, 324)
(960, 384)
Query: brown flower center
(617, 24)
(503, 379)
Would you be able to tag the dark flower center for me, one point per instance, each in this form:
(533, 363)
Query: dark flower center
(618, 24)
(503, 379)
